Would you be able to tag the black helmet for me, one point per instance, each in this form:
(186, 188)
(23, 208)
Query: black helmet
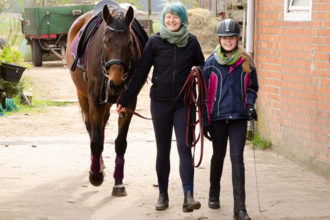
(227, 28)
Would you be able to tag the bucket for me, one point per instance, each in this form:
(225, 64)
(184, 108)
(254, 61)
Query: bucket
(11, 72)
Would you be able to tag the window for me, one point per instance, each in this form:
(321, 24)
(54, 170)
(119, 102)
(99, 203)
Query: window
(297, 10)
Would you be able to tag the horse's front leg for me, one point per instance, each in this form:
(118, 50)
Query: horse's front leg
(96, 115)
(120, 147)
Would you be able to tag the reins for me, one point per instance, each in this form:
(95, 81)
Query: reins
(194, 96)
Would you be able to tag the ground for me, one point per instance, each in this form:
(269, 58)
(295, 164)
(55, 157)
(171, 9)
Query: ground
(45, 158)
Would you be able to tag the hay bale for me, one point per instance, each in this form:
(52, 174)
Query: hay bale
(204, 25)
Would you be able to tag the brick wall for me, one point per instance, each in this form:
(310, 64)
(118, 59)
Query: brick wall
(294, 75)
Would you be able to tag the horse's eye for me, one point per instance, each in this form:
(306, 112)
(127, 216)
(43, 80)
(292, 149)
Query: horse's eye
(106, 42)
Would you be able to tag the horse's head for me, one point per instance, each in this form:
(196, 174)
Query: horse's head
(117, 47)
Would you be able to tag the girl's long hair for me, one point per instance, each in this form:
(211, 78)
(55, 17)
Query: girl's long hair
(248, 64)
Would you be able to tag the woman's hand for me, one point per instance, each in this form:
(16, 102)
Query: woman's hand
(120, 109)
(194, 69)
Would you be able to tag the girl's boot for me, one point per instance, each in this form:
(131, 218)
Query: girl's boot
(215, 176)
(238, 178)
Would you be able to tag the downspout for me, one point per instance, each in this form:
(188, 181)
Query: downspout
(250, 50)
(250, 28)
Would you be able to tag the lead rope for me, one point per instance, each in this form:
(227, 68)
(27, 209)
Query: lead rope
(192, 99)
(255, 164)
(191, 102)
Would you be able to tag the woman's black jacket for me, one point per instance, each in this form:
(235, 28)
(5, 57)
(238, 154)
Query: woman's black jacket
(172, 66)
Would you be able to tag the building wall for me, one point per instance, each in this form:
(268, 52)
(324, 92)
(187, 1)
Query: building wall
(293, 59)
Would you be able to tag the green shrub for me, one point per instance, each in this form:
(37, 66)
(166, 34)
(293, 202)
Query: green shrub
(13, 89)
(10, 55)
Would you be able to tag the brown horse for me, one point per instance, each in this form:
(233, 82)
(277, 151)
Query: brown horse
(111, 57)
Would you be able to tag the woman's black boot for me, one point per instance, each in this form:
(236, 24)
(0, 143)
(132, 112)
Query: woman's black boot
(215, 176)
(238, 178)
(162, 202)
(241, 215)
(189, 204)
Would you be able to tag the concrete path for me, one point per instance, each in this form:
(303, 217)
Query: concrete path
(49, 180)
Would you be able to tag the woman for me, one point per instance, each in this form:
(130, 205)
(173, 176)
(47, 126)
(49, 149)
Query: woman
(232, 84)
(173, 52)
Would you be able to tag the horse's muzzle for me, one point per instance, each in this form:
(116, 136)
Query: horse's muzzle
(116, 89)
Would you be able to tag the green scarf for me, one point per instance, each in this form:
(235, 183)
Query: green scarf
(222, 59)
(179, 38)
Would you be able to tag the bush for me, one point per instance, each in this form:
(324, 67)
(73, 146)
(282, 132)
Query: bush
(11, 55)
(13, 89)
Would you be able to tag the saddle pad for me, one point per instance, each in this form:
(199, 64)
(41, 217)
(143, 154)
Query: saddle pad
(81, 41)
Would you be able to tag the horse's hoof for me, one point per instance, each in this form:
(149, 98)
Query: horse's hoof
(96, 179)
(119, 190)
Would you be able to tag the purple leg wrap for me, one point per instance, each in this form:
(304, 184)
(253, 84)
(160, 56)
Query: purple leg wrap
(119, 168)
(96, 166)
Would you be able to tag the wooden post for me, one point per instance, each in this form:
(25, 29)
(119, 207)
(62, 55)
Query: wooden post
(149, 21)
(214, 7)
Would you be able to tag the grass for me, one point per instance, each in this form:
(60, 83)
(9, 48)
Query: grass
(261, 143)
(37, 106)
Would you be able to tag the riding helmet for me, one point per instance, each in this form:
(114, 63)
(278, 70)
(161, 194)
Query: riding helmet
(228, 27)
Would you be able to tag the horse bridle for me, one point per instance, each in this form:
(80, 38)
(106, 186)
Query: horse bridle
(107, 64)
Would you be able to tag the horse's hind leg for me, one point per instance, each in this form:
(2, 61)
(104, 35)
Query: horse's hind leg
(120, 147)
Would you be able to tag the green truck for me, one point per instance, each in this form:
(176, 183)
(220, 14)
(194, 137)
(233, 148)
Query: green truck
(46, 28)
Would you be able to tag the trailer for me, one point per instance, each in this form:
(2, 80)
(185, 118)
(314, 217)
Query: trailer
(46, 28)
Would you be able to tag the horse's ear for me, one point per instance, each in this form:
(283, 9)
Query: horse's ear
(129, 15)
(107, 17)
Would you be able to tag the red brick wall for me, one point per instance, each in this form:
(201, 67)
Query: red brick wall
(294, 75)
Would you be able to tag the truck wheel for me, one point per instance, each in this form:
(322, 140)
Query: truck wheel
(36, 53)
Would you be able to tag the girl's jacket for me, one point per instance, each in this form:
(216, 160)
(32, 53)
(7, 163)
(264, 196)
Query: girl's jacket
(230, 90)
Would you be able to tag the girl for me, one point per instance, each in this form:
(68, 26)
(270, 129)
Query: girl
(232, 91)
